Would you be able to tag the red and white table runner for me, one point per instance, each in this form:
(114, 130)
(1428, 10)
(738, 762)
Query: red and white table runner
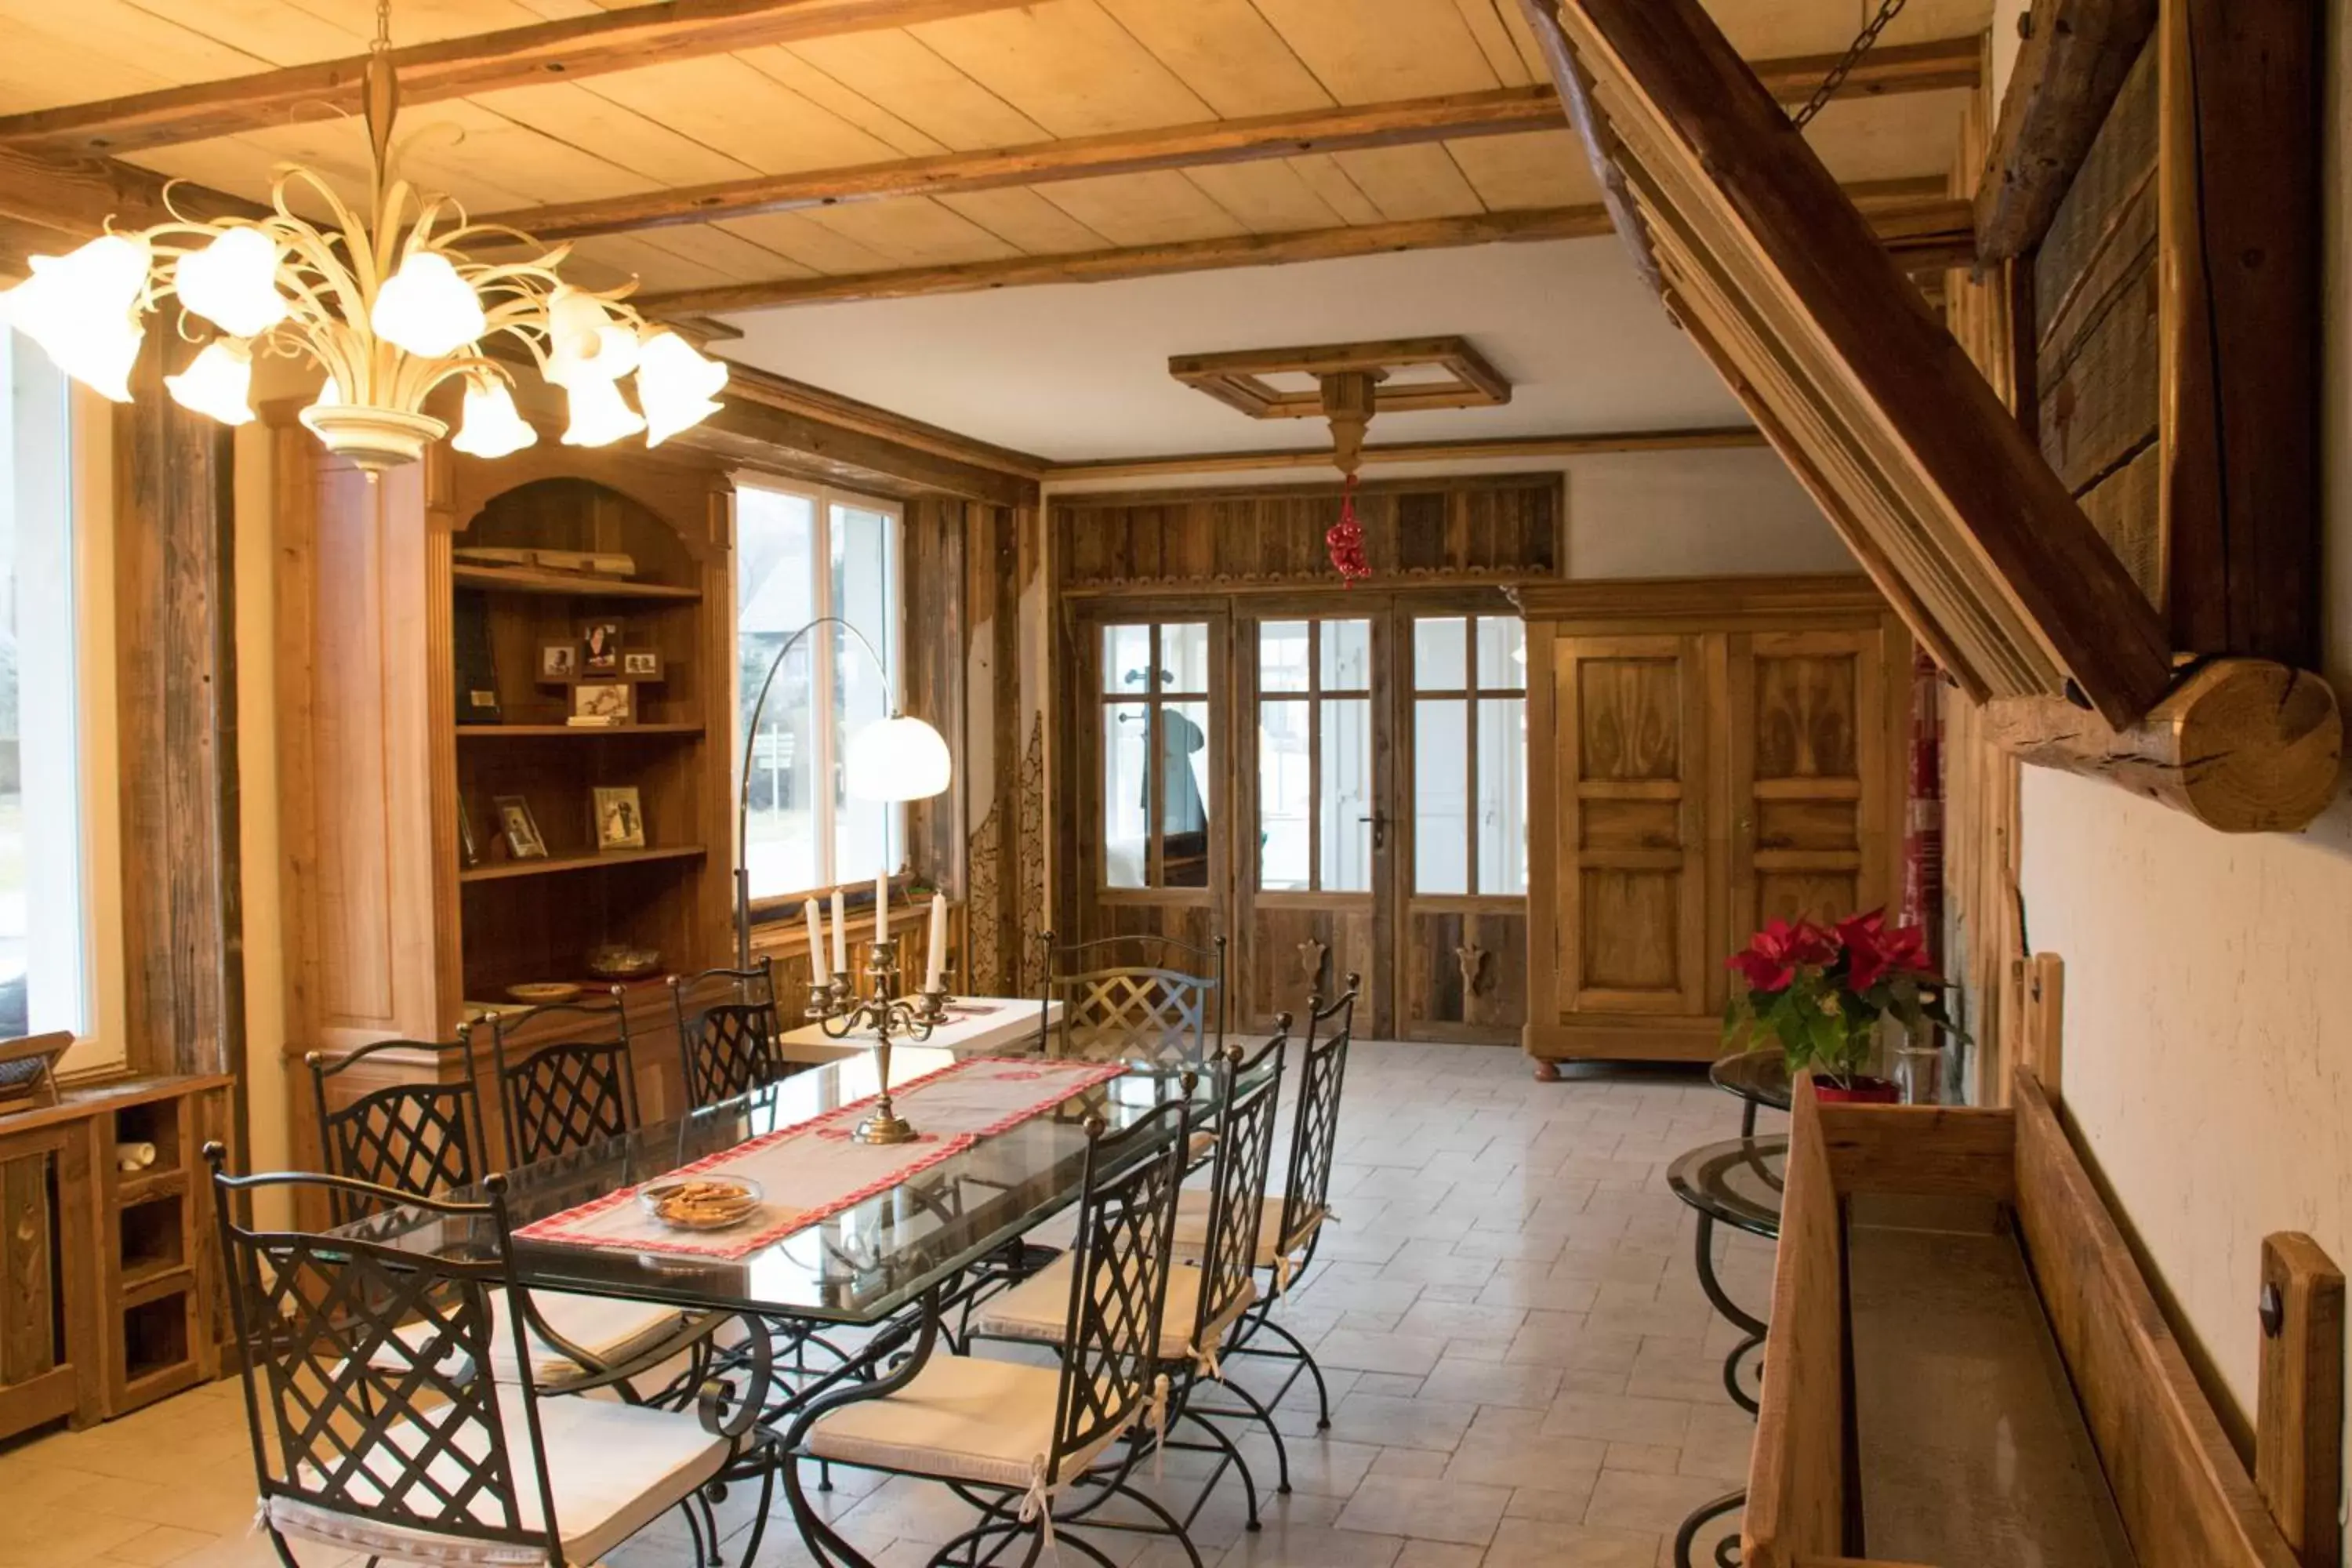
(815, 1169)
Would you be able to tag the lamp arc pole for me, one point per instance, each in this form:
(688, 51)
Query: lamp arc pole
(743, 788)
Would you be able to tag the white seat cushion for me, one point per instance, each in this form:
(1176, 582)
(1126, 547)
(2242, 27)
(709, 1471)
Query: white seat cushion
(1193, 1227)
(964, 1417)
(1038, 1308)
(614, 1469)
(610, 1330)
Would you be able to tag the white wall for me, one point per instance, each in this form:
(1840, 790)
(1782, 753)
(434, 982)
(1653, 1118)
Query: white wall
(2209, 1023)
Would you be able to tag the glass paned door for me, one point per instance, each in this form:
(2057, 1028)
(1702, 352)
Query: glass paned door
(1313, 877)
(1158, 770)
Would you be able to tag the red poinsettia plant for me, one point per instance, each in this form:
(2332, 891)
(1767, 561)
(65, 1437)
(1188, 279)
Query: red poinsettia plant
(1820, 991)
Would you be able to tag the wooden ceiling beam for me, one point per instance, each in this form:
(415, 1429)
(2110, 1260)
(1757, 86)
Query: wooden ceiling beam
(1915, 68)
(565, 50)
(1462, 451)
(53, 204)
(2067, 75)
(1926, 229)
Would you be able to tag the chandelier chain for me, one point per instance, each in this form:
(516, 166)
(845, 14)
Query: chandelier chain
(383, 43)
(1888, 11)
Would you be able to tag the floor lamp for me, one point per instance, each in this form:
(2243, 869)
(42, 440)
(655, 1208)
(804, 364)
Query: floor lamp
(890, 759)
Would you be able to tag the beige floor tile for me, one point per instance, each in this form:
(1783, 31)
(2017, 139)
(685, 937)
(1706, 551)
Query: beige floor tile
(1438, 1555)
(162, 1544)
(1618, 1418)
(1437, 1424)
(1413, 1355)
(1428, 1510)
(1634, 1500)
(1559, 1464)
(1282, 1545)
(1539, 1543)
(1476, 1382)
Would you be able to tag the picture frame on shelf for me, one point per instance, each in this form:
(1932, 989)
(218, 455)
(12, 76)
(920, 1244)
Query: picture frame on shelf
(559, 663)
(469, 854)
(617, 817)
(29, 1070)
(604, 702)
(519, 829)
(600, 648)
(641, 664)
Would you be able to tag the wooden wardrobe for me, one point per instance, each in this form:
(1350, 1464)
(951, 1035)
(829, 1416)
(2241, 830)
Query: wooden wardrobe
(1703, 754)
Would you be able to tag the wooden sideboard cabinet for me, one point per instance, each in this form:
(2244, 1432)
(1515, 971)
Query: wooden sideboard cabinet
(1703, 754)
(109, 1282)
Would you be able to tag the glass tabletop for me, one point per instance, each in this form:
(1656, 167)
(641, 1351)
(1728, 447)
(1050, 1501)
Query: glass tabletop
(1737, 1181)
(1761, 1076)
(860, 1266)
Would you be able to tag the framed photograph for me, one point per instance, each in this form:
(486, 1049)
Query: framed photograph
(641, 663)
(520, 829)
(620, 821)
(559, 661)
(603, 702)
(469, 853)
(602, 654)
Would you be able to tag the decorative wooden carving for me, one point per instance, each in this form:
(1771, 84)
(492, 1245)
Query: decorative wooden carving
(1238, 379)
(1473, 959)
(1780, 279)
(1310, 960)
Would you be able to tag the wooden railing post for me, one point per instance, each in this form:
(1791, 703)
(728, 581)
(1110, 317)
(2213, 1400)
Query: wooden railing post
(2299, 1422)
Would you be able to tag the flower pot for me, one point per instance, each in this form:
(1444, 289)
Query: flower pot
(1863, 1090)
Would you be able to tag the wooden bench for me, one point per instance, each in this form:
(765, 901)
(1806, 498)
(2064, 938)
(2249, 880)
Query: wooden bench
(2160, 1484)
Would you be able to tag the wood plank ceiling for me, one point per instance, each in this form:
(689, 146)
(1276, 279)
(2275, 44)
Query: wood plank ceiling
(877, 97)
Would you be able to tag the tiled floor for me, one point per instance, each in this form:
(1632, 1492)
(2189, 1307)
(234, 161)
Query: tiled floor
(1523, 1370)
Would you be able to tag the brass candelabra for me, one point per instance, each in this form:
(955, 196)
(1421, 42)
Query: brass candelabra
(837, 1008)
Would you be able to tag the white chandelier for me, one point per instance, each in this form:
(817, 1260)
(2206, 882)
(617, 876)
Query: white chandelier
(389, 307)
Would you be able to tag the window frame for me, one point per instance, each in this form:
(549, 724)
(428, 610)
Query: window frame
(1470, 694)
(1153, 700)
(823, 673)
(1314, 694)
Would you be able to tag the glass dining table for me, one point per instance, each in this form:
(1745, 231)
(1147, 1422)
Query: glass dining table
(892, 1261)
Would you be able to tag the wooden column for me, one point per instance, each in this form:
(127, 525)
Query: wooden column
(175, 598)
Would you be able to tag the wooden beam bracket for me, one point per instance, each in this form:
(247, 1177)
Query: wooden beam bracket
(2242, 745)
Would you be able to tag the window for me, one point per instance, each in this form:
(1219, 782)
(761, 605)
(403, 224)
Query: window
(1315, 756)
(56, 838)
(800, 555)
(1470, 756)
(1157, 764)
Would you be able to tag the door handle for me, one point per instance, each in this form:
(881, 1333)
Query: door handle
(1380, 828)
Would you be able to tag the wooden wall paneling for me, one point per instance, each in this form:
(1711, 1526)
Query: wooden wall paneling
(2239, 272)
(1463, 973)
(932, 637)
(1797, 1478)
(991, 752)
(175, 598)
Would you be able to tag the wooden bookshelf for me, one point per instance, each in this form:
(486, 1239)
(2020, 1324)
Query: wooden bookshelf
(555, 865)
(566, 585)
(568, 731)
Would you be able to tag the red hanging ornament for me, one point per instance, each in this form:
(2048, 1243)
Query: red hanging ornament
(1344, 538)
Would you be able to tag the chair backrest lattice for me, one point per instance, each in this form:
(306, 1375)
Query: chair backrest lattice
(730, 1048)
(367, 1368)
(567, 1094)
(1315, 1131)
(1143, 998)
(415, 1139)
(1249, 1094)
(1118, 1281)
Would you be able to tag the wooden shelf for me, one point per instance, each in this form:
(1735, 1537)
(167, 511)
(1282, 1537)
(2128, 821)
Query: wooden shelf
(570, 732)
(524, 580)
(554, 864)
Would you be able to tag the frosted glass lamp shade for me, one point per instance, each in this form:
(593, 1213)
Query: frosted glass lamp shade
(493, 428)
(599, 413)
(583, 343)
(219, 383)
(233, 283)
(81, 309)
(897, 758)
(676, 385)
(426, 309)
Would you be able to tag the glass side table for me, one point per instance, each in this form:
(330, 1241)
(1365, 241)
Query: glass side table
(1758, 1079)
(1736, 1182)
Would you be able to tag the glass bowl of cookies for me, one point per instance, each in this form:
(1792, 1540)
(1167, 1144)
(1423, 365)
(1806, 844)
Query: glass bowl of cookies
(700, 1202)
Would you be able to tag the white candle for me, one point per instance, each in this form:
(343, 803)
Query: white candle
(882, 905)
(935, 970)
(840, 936)
(818, 974)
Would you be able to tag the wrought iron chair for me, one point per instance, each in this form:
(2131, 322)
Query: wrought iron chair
(567, 1094)
(1033, 1447)
(378, 1428)
(1145, 998)
(1294, 1219)
(1215, 1280)
(412, 1140)
(730, 1048)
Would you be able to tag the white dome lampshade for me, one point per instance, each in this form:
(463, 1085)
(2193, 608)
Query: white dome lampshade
(896, 758)
(426, 309)
(676, 385)
(599, 413)
(583, 342)
(218, 383)
(233, 283)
